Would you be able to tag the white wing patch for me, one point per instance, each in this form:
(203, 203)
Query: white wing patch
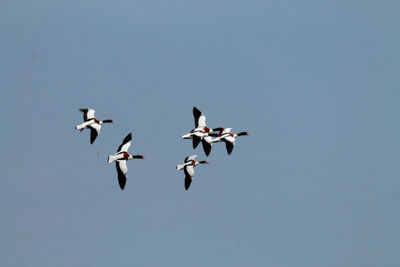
(208, 139)
(123, 167)
(125, 147)
(96, 126)
(90, 114)
(189, 170)
(202, 121)
(230, 139)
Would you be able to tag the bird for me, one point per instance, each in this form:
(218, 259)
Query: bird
(188, 168)
(201, 132)
(90, 122)
(229, 138)
(120, 159)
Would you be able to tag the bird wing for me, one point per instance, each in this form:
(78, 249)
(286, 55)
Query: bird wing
(188, 181)
(125, 144)
(94, 131)
(122, 170)
(189, 158)
(230, 143)
(202, 121)
(207, 144)
(199, 118)
(195, 141)
(189, 172)
(88, 114)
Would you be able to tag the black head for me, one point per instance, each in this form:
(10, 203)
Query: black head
(243, 133)
(108, 121)
(204, 162)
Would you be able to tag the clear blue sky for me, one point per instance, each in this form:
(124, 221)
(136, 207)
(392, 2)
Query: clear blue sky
(316, 85)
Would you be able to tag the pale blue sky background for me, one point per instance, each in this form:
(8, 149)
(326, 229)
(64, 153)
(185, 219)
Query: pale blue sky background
(315, 83)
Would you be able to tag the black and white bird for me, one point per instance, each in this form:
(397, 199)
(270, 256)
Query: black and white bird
(121, 157)
(229, 139)
(90, 122)
(188, 168)
(201, 132)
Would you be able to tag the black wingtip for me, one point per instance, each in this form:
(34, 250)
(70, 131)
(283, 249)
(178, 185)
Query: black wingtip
(122, 182)
(206, 147)
(127, 138)
(195, 141)
(188, 181)
(121, 177)
(229, 147)
(93, 135)
(196, 112)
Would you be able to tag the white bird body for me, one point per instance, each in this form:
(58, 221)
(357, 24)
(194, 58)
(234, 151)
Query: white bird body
(229, 139)
(84, 125)
(119, 156)
(188, 168)
(120, 159)
(201, 132)
(90, 122)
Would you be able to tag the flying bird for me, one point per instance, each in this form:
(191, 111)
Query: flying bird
(188, 168)
(201, 132)
(90, 122)
(229, 139)
(121, 157)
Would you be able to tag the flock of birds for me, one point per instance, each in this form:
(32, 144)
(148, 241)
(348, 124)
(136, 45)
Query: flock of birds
(201, 133)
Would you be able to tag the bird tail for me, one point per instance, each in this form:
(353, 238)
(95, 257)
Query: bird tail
(111, 158)
(180, 166)
(80, 126)
(186, 136)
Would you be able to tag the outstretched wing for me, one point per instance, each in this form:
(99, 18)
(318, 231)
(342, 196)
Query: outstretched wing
(122, 170)
(207, 144)
(88, 114)
(195, 141)
(189, 158)
(199, 118)
(189, 172)
(126, 143)
(188, 181)
(94, 131)
(230, 143)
